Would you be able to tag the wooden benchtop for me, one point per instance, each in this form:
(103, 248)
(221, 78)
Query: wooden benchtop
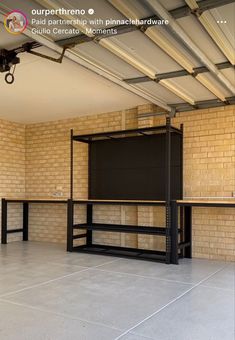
(195, 202)
(211, 202)
(36, 199)
(82, 201)
(121, 201)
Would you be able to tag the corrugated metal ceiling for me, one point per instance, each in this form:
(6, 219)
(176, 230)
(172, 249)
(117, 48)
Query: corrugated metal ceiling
(138, 54)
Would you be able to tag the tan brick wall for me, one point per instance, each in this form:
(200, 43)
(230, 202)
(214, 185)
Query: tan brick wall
(47, 168)
(209, 171)
(12, 169)
(209, 163)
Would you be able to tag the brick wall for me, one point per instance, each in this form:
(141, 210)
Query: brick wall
(12, 169)
(209, 171)
(47, 169)
(209, 163)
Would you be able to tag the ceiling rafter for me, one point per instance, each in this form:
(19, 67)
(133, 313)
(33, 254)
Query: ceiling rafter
(70, 54)
(207, 20)
(203, 5)
(230, 100)
(172, 48)
(203, 104)
(176, 54)
(123, 29)
(176, 74)
(175, 29)
(127, 57)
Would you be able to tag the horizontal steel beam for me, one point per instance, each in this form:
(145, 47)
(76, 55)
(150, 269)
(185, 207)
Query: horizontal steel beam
(229, 101)
(175, 74)
(110, 32)
(77, 40)
(137, 80)
(224, 65)
(204, 104)
(220, 66)
(122, 29)
(180, 12)
(28, 46)
(203, 5)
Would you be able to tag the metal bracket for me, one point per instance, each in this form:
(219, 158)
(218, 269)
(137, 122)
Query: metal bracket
(172, 113)
(56, 60)
(197, 12)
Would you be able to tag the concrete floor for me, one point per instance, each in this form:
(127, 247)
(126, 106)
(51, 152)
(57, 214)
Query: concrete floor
(48, 294)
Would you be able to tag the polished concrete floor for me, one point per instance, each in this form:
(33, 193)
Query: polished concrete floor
(48, 294)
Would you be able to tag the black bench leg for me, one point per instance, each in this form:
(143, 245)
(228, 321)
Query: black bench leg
(188, 230)
(25, 221)
(174, 232)
(4, 222)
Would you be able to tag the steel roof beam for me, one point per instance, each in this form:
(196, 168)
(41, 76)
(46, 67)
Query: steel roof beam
(203, 5)
(164, 77)
(204, 104)
(72, 55)
(138, 80)
(177, 31)
(122, 29)
(176, 74)
(119, 29)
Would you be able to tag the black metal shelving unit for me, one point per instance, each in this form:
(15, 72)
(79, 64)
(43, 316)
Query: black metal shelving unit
(172, 236)
(91, 226)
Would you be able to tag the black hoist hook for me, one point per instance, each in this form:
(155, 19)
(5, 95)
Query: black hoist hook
(9, 77)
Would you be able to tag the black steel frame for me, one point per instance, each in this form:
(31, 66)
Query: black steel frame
(90, 226)
(186, 224)
(167, 231)
(24, 229)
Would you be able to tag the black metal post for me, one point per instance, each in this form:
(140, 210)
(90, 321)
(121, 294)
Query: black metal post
(174, 232)
(188, 230)
(4, 222)
(182, 162)
(182, 237)
(168, 189)
(89, 170)
(89, 222)
(71, 164)
(182, 187)
(25, 221)
(70, 209)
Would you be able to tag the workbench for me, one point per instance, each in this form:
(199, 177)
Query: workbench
(180, 233)
(187, 213)
(25, 220)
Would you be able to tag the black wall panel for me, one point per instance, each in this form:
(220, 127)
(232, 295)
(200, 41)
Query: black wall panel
(134, 168)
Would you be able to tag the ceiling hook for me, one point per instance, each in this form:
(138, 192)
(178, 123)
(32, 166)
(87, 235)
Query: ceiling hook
(9, 77)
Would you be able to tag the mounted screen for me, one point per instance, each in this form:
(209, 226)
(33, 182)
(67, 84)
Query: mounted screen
(134, 168)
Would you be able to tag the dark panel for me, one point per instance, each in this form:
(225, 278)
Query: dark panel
(133, 168)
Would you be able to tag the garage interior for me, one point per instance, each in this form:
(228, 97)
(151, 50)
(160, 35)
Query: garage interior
(100, 86)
